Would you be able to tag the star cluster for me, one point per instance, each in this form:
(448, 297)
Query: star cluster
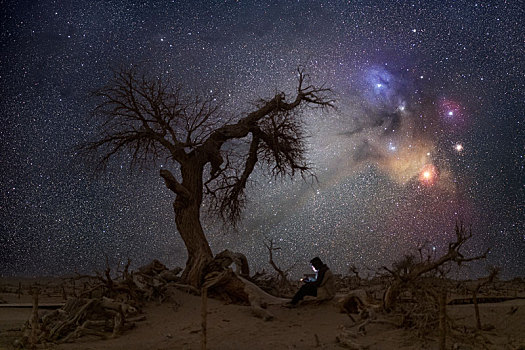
(428, 130)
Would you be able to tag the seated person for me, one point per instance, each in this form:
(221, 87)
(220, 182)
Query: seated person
(322, 286)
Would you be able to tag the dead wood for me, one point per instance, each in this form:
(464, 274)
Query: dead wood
(359, 303)
(153, 268)
(409, 270)
(185, 288)
(225, 259)
(102, 317)
(493, 273)
(112, 310)
(418, 287)
(232, 287)
(283, 286)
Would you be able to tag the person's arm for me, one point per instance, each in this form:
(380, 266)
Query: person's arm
(319, 280)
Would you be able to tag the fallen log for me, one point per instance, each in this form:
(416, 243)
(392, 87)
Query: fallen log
(234, 286)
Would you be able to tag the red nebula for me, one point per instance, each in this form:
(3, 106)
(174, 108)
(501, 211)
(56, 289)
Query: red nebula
(451, 111)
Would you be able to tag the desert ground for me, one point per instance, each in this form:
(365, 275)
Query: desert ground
(176, 322)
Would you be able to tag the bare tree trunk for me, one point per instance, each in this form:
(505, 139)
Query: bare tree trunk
(283, 283)
(199, 252)
(187, 218)
(494, 271)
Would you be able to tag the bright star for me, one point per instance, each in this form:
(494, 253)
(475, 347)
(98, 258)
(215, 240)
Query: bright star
(391, 147)
(428, 175)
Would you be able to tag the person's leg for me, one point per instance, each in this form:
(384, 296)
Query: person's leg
(306, 289)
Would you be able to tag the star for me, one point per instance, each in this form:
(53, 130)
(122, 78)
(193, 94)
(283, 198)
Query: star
(426, 115)
(428, 175)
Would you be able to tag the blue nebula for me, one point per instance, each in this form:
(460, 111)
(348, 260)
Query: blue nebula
(383, 89)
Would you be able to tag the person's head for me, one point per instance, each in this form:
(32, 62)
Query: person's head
(316, 263)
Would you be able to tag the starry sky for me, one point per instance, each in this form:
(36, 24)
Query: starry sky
(428, 130)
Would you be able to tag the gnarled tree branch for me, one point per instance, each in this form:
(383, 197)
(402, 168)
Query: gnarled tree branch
(172, 183)
(277, 142)
(148, 120)
(409, 269)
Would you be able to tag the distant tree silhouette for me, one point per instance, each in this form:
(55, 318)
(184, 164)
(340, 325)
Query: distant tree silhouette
(211, 155)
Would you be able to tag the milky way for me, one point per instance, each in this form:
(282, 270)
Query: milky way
(428, 129)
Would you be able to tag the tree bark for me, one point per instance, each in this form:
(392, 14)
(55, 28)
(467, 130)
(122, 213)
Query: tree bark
(391, 295)
(187, 217)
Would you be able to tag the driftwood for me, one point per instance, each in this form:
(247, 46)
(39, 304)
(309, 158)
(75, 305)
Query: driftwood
(106, 307)
(224, 283)
(227, 258)
(358, 302)
(108, 304)
(101, 317)
(234, 287)
(355, 301)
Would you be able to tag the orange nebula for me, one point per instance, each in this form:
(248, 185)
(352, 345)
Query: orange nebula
(428, 175)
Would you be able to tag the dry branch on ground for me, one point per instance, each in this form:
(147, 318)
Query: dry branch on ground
(105, 307)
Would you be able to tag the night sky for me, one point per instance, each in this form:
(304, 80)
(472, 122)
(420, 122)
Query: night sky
(429, 129)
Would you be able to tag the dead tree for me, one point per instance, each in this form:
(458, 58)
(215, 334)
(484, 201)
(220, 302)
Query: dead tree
(409, 270)
(353, 269)
(284, 283)
(106, 308)
(207, 153)
(353, 281)
(493, 273)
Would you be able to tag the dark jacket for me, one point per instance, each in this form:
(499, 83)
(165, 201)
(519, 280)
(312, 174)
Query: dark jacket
(325, 283)
(320, 275)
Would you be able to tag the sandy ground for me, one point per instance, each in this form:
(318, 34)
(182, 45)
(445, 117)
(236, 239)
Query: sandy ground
(177, 325)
